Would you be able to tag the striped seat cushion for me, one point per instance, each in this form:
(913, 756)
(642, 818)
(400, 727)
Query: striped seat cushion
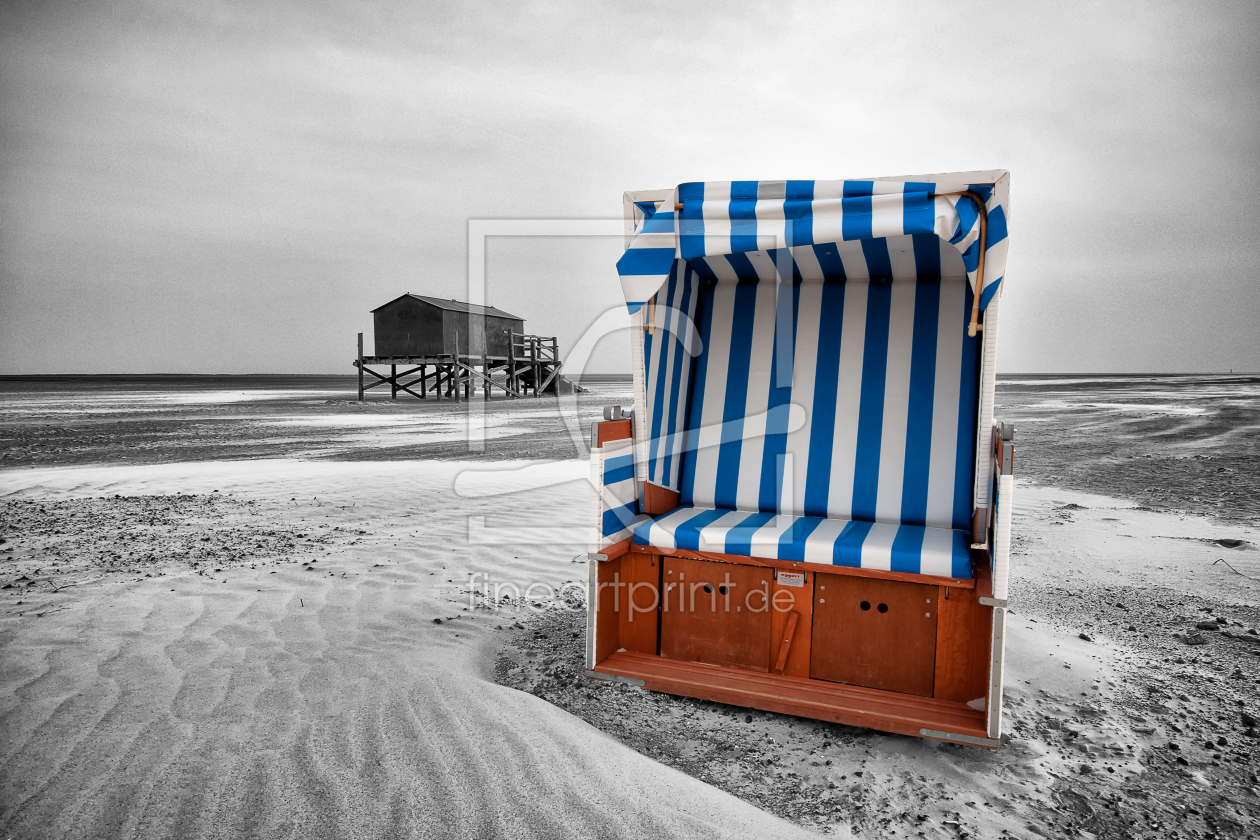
(811, 539)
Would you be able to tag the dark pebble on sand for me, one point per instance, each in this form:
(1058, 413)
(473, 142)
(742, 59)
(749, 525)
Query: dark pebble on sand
(437, 621)
(1207, 625)
(1085, 637)
(747, 718)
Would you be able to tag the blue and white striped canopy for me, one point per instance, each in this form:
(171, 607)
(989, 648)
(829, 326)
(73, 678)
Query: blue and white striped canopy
(810, 230)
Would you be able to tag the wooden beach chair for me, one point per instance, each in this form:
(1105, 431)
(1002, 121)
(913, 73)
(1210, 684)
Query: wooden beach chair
(808, 509)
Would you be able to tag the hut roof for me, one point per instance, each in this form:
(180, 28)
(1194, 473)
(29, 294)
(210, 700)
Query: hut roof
(455, 306)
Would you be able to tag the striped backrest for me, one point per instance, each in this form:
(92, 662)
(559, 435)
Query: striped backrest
(869, 339)
(668, 351)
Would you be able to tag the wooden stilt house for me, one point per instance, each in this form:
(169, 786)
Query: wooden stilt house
(444, 348)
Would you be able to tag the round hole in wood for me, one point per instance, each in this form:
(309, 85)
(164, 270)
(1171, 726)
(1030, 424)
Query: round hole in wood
(722, 589)
(866, 605)
(883, 608)
(708, 589)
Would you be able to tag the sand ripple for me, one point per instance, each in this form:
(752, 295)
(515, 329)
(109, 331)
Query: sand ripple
(310, 705)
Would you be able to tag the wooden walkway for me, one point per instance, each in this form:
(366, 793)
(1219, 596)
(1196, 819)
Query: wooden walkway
(532, 367)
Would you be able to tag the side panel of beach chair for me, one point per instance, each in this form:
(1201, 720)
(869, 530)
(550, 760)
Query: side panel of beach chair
(1000, 556)
(615, 580)
(615, 503)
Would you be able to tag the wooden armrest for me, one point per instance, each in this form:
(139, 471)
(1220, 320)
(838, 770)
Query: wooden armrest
(610, 430)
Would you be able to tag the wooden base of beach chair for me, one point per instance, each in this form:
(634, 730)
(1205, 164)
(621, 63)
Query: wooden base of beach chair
(899, 653)
(886, 711)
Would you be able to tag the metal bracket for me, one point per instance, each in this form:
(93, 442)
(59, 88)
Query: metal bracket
(602, 558)
(612, 412)
(993, 602)
(596, 675)
(970, 740)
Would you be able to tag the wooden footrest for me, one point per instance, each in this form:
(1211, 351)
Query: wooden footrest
(888, 711)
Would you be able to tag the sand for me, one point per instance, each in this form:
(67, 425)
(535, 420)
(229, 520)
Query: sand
(281, 702)
(1099, 685)
(197, 644)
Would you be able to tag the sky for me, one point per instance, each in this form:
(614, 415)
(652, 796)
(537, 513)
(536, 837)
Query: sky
(231, 188)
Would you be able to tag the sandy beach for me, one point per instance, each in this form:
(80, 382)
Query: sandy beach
(244, 609)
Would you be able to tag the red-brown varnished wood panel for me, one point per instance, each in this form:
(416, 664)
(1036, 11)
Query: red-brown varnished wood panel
(847, 704)
(609, 430)
(984, 574)
(875, 633)
(640, 601)
(658, 500)
(716, 613)
(607, 632)
(964, 635)
(784, 600)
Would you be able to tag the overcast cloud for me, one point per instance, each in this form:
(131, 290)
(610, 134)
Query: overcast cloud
(209, 187)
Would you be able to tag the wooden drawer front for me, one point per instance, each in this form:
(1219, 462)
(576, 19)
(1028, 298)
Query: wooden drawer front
(875, 633)
(730, 628)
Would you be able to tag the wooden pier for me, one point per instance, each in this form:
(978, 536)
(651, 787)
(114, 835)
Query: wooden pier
(531, 367)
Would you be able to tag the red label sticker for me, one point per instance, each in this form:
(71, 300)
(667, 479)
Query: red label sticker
(791, 579)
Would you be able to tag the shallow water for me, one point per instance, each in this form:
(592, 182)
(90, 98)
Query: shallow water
(139, 420)
(1187, 443)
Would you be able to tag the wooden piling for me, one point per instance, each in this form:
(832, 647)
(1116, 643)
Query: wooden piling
(555, 357)
(511, 370)
(535, 347)
(359, 365)
(530, 363)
